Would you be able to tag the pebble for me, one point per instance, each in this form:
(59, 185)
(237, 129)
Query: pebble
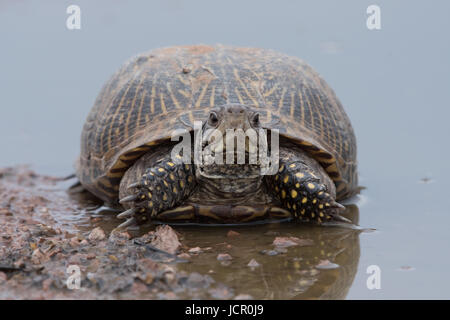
(270, 252)
(285, 242)
(232, 233)
(3, 277)
(224, 257)
(195, 250)
(253, 264)
(37, 257)
(326, 264)
(166, 239)
(184, 256)
(97, 234)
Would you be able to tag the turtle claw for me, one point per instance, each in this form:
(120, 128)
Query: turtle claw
(336, 205)
(127, 223)
(130, 198)
(339, 218)
(134, 185)
(127, 214)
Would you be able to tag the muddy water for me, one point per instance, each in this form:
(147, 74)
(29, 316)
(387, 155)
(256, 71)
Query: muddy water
(393, 83)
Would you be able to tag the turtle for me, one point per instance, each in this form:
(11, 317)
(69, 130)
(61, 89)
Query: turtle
(131, 156)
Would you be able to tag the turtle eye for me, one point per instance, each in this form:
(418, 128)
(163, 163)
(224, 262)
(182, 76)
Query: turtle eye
(213, 119)
(255, 120)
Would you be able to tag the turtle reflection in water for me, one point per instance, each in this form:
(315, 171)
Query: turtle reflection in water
(126, 148)
(322, 266)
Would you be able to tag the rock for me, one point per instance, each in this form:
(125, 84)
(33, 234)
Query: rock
(232, 233)
(46, 284)
(196, 280)
(97, 234)
(224, 257)
(37, 257)
(74, 242)
(221, 292)
(253, 264)
(195, 250)
(285, 242)
(184, 256)
(270, 252)
(90, 256)
(326, 264)
(3, 277)
(138, 288)
(166, 239)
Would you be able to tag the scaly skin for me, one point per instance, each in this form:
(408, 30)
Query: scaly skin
(300, 189)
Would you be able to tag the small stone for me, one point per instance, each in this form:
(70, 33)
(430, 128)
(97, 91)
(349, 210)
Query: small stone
(270, 252)
(225, 263)
(44, 210)
(221, 292)
(285, 242)
(113, 258)
(74, 242)
(184, 256)
(195, 250)
(97, 234)
(3, 277)
(196, 281)
(90, 256)
(253, 264)
(326, 264)
(243, 296)
(138, 288)
(46, 284)
(280, 249)
(37, 257)
(224, 257)
(166, 239)
(232, 233)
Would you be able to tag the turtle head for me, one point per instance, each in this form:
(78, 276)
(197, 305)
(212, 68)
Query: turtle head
(232, 117)
(230, 139)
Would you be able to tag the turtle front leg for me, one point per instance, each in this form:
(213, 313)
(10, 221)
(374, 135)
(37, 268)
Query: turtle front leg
(162, 186)
(301, 189)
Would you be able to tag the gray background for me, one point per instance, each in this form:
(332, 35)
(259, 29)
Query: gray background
(394, 84)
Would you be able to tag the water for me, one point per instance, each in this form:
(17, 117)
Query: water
(393, 83)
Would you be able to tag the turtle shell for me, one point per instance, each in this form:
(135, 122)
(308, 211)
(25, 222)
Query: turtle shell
(166, 89)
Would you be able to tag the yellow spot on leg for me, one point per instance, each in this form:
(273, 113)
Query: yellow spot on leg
(311, 186)
(299, 175)
(283, 194)
(293, 194)
(304, 200)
